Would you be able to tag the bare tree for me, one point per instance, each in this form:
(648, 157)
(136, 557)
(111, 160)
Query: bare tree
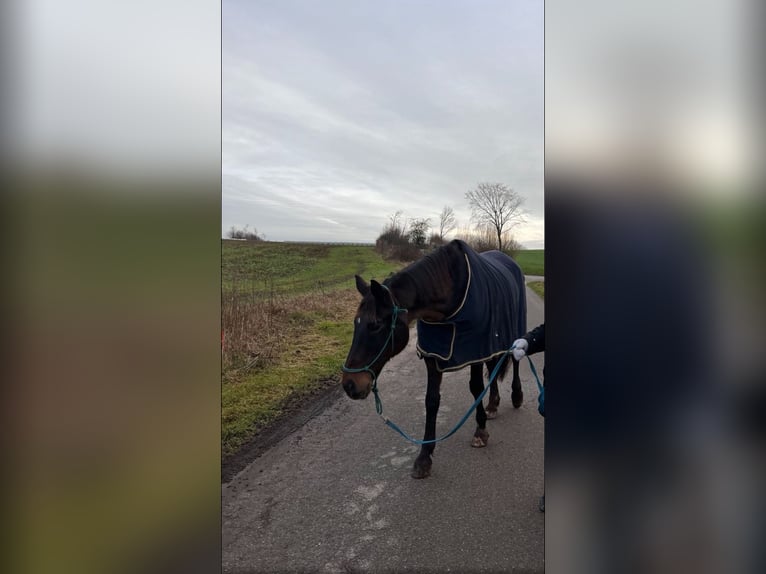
(395, 221)
(497, 206)
(447, 221)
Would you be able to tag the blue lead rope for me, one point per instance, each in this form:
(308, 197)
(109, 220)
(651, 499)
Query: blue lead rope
(540, 389)
(393, 425)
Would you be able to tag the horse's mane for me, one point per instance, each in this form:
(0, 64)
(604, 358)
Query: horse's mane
(435, 278)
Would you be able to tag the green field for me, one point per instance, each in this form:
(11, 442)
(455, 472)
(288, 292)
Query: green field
(531, 261)
(263, 267)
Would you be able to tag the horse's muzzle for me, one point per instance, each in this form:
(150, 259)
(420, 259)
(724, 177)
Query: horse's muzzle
(357, 385)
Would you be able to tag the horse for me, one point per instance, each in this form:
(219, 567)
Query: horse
(469, 309)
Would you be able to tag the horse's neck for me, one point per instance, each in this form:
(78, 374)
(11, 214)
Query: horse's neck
(419, 305)
(425, 298)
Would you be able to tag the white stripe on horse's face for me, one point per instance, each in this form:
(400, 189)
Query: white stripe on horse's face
(358, 320)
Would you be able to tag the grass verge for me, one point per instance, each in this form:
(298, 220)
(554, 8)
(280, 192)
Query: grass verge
(287, 313)
(538, 287)
(317, 340)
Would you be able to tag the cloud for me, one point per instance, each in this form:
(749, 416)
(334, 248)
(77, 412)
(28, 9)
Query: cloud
(336, 115)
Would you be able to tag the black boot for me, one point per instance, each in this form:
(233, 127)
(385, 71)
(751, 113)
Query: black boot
(541, 504)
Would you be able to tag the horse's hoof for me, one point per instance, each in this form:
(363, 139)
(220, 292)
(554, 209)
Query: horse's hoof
(421, 469)
(478, 442)
(517, 399)
(491, 414)
(480, 438)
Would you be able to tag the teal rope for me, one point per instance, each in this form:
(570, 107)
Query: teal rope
(475, 404)
(540, 389)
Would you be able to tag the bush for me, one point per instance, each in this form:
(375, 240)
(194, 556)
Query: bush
(393, 236)
(512, 247)
(484, 239)
(435, 241)
(394, 242)
(237, 233)
(398, 251)
(418, 232)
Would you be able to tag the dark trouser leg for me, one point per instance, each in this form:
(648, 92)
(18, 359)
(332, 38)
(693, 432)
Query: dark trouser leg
(517, 396)
(481, 436)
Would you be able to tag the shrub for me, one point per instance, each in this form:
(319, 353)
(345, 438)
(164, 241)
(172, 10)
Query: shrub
(395, 241)
(418, 232)
(435, 241)
(484, 239)
(244, 233)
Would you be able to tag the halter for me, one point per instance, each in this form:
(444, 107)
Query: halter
(366, 368)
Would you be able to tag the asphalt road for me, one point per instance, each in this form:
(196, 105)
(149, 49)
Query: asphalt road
(336, 495)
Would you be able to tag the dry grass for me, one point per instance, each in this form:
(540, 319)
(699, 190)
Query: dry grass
(258, 331)
(277, 351)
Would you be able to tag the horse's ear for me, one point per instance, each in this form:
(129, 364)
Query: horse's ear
(377, 290)
(361, 286)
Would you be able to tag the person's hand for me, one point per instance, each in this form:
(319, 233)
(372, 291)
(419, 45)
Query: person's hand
(520, 347)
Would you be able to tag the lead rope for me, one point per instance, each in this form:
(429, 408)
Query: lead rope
(475, 404)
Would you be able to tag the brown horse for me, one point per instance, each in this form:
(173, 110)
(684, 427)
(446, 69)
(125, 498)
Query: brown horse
(470, 308)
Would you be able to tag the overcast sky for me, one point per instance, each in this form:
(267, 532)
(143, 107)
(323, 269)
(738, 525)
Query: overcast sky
(336, 114)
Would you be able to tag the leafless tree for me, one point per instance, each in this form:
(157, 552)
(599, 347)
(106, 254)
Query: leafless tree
(497, 206)
(447, 221)
(395, 221)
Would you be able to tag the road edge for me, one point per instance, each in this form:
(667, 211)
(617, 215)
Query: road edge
(297, 412)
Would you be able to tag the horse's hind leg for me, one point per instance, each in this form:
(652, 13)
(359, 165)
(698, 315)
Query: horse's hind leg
(422, 466)
(481, 436)
(517, 395)
(494, 394)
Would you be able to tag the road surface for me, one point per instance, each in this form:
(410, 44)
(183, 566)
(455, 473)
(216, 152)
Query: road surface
(336, 495)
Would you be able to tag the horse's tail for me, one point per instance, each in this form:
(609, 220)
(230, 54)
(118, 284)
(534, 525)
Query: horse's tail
(506, 360)
(504, 367)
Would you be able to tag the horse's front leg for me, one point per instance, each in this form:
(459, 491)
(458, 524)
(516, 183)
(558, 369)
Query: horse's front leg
(422, 466)
(481, 436)
(517, 396)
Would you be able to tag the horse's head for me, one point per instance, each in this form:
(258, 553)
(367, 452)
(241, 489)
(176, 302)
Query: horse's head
(380, 332)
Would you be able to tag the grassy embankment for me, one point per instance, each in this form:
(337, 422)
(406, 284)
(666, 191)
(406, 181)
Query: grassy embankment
(286, 312)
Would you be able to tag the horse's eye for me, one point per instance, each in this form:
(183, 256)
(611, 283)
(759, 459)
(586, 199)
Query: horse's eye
(374, 326)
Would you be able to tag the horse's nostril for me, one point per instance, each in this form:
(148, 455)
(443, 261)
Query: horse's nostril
(348, 386)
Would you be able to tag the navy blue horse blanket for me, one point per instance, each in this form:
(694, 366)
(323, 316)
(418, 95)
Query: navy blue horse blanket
(492, 315)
